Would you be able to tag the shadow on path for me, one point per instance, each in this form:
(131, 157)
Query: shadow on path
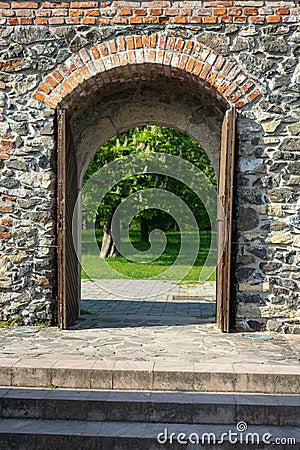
(140, 313)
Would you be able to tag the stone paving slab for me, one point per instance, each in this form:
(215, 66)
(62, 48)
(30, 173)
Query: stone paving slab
(150, 290)
(182, 343)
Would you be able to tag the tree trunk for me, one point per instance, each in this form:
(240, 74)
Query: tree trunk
(144, 233)
(97, 224)
(108, 247)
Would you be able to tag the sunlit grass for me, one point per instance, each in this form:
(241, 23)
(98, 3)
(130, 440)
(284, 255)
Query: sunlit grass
(120, 267)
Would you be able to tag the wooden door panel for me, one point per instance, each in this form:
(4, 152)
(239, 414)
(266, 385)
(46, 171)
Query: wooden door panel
(226, 178)
(68, 264)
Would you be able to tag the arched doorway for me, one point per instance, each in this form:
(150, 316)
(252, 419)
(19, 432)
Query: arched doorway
(68, 265)
(135, 81)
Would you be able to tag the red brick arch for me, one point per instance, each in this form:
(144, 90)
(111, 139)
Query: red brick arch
(184, 59)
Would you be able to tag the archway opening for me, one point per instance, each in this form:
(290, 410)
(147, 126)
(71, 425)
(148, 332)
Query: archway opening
(129, 269)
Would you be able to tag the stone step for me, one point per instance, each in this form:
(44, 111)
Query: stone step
(26, 434)
(151, 407)
(150, 376)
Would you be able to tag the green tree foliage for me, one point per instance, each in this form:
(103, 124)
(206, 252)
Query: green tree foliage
(155, 139)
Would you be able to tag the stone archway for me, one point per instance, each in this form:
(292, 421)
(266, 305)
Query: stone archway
(153, 56)
(136, 80)
(142, 69)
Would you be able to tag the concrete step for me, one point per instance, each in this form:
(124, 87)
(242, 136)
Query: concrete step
(26, 434)
(150, 376)
(150, 407)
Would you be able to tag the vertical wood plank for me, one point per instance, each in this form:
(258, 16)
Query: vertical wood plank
(61, 178)
(226, 179)
(72, 266)
(68, 264)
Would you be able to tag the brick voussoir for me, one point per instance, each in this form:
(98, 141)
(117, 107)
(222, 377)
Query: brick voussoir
(190, 65)
(231, 88)
(249, 84)
(205, 71)
(253, 94)
(235, 96)
(161, 42)
(94, 53)
(241, 103)
(60, 90)
(171, 42)
(51, 81)
(121, 44)
(50, 103)
(39, 96)
(168, 55)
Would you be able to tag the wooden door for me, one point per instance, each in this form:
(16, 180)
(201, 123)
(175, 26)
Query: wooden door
(226, 177)
(68, 263)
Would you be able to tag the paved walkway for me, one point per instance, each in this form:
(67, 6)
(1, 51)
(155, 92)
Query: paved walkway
(136, 303)
(170, 327)
(155, 290)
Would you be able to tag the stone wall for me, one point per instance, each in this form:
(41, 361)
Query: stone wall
(219, 53)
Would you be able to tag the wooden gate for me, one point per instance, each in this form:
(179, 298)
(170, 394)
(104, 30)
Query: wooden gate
(68, 263)
(225, 221)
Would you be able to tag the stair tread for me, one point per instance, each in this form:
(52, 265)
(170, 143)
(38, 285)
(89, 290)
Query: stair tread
(150, 397)
(129, 429)
(145, 375)
(152, 407)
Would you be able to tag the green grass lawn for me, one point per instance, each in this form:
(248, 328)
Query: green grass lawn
(93, 267)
